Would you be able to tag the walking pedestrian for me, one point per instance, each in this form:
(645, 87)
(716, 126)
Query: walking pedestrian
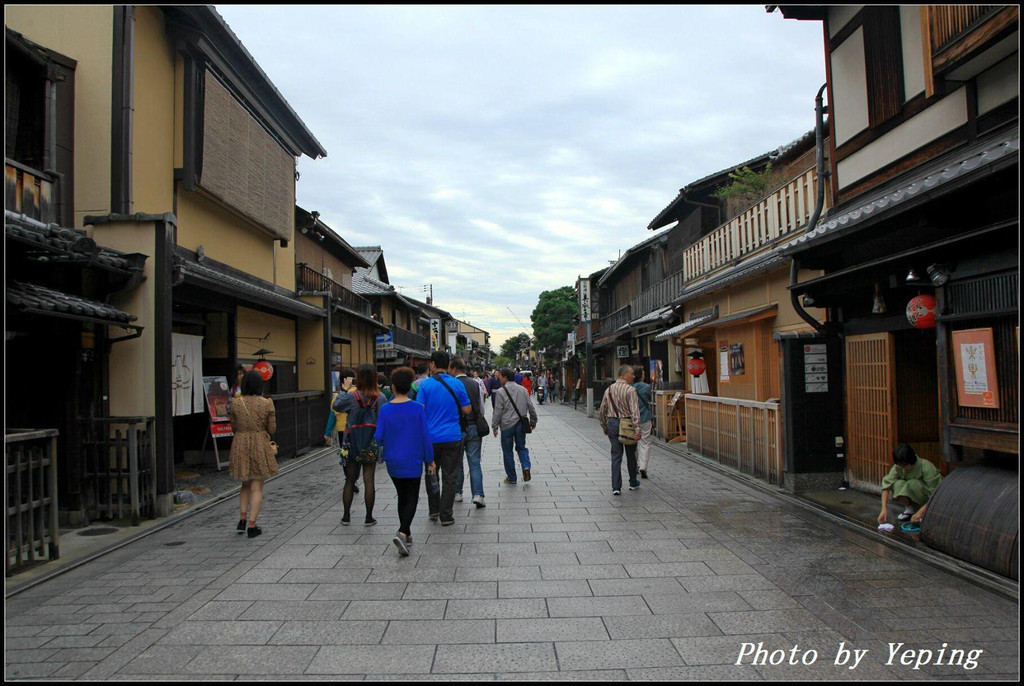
(336, 421)
(382, 381)
(444, 398)
(422, 370)
(405, 448)
(620, 402)
(252, 455)
(542, 387)
(643, 395)
(363, 405)
(472, 439)
(512, 407)
(493, 385)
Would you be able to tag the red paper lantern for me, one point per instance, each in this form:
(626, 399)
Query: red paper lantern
(921, 312)
(696, 367)
(265, 369)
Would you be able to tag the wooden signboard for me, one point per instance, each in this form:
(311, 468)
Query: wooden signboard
(975, 365)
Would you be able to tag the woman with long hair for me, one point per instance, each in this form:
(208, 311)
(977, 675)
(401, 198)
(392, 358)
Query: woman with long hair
(363, 406)
(252, 457)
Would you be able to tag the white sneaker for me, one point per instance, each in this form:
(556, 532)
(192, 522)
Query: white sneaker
(458, 497)
(478, 500)
(616, 492)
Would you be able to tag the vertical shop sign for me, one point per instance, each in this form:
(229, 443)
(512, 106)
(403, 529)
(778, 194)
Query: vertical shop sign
(815, 368)
(435, 334)
(723, 362)
(218, 400)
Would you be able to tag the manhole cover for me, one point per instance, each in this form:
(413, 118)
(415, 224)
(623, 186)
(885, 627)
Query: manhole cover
(174, 543)
(97, 531)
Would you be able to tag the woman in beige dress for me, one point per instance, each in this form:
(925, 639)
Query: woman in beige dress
(252, 458)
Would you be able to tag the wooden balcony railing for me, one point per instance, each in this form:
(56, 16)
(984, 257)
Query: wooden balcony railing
(958, 32)
(30, 192)
(741, 434)
(658, 295)
(784, 213)
(615, 320)
(309, 279)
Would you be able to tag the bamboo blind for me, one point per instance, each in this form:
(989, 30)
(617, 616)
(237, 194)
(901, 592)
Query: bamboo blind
(870, 402)
(243, 165)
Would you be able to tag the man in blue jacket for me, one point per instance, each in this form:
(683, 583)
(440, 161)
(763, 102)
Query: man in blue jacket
(436, 395)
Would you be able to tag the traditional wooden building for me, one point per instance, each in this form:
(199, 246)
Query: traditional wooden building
(921, 255)
(152, 122)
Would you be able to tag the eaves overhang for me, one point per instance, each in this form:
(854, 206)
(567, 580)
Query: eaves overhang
(943, 176)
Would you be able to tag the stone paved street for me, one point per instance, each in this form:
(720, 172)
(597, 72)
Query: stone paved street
(554, 579)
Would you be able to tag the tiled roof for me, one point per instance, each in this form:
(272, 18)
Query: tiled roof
(685, 326)
(751, 267)
(62, 243)
(924, 181)
(370, 253)
(639, 247)
(662, 219)
(30, 297)
(364, 284)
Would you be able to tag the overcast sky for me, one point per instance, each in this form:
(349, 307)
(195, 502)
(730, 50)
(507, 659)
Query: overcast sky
(500, 151)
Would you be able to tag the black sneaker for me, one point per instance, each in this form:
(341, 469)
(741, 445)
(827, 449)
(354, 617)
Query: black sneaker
(241, 526)
(253, 531)
(432, 516)
(643, 473)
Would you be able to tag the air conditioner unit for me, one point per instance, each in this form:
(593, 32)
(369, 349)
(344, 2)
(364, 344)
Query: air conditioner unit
(621, 351)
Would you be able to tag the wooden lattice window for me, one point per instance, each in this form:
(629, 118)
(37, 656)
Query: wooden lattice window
(884, 61)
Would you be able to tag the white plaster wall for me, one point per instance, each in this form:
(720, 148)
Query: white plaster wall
(849, 88)
(999, 84)
(936, 121)
(913, 51)
(839, 16)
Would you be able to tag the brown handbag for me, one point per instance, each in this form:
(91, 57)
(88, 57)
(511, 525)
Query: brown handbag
(627, 430)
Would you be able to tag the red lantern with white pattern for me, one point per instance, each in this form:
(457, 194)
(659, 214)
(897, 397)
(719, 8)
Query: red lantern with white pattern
(696, 367)
(921, 312)
(265, 369)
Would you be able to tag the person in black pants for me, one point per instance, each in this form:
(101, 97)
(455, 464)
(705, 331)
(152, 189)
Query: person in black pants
(406, 448)
(444, 397)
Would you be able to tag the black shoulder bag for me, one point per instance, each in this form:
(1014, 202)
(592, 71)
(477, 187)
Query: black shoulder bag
(523, 421)
(463, 422)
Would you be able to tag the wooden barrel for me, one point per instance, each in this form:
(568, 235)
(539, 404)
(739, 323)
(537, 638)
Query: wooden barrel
(973, 516)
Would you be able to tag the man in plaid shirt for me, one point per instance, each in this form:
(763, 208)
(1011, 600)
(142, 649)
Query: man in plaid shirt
(620, 401)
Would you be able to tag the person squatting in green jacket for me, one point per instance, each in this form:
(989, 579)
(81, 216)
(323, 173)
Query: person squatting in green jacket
(910, 482)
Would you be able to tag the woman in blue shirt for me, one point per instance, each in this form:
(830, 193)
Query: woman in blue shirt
(402, 432)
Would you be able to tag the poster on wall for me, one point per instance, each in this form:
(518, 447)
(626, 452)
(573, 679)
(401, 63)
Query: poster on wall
(656, 377)
(737, 363)
(335, 381)
(975, 365)
(723, 361)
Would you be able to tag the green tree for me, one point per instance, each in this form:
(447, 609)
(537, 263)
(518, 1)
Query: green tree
(513, 346)
(501, 361)
(552, 318)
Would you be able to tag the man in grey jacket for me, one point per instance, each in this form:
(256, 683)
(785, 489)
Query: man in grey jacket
(512, 402)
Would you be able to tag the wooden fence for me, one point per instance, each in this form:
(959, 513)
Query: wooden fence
(30, 487)
(119, 467)
(740, 434)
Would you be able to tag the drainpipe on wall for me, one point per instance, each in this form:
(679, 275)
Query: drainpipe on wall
(819, 123)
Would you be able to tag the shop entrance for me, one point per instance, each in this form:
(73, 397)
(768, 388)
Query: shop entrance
(892, 395)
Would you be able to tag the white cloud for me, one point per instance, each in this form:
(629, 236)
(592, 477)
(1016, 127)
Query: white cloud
(527, 143)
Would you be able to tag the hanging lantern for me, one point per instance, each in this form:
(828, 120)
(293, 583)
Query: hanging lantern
(696, 367)
(921, 312)
(265, 369)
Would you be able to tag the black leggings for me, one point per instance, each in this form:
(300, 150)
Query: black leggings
(408, 496)
(369, 494)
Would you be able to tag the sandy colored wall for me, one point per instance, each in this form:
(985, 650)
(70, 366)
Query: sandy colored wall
(310, 344)
(132, 363)
(84, 33)
(252, 324)
(153, 119)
